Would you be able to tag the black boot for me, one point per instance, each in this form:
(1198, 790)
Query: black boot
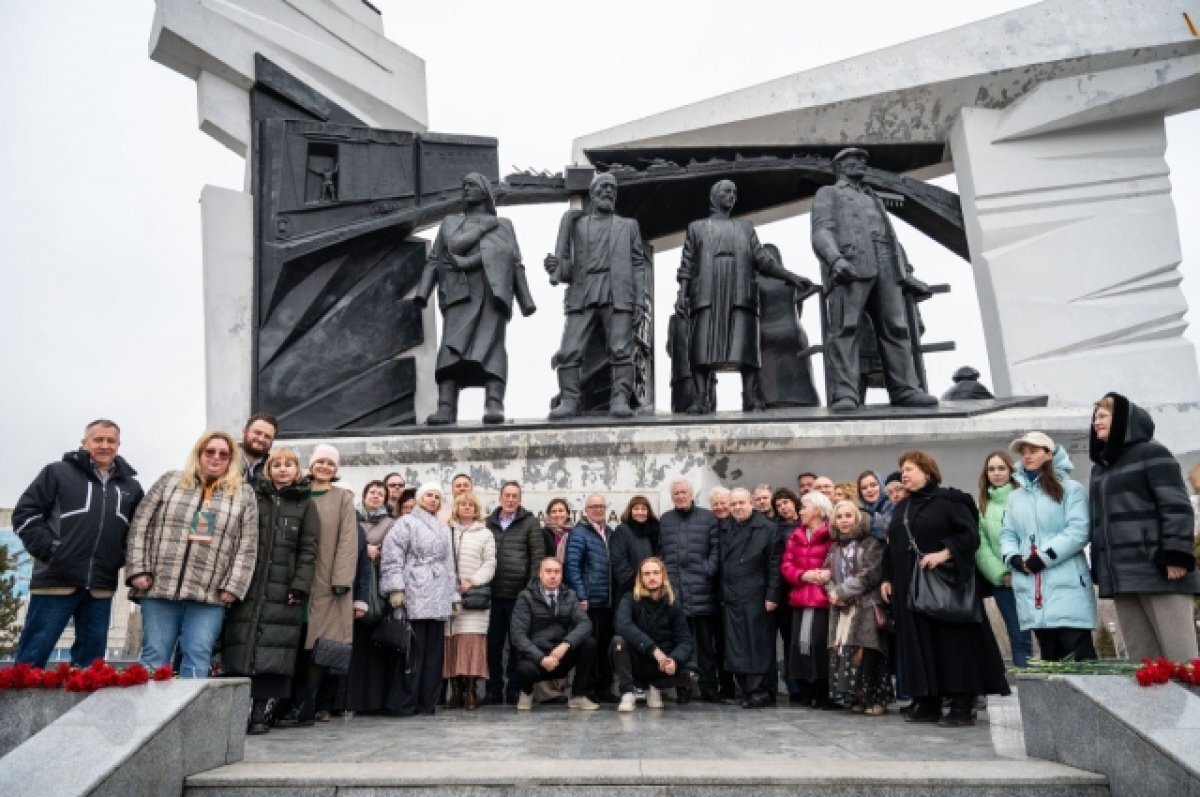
(447, 411)
(752, 396)
(304, 707)
(568, 394)
(493, 402)
(260, 717)
(622, 389)
(701, 405)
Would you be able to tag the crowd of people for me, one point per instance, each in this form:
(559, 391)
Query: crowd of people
(249, 562)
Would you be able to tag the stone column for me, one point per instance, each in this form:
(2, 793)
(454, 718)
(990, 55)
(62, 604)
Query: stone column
(1074, 240)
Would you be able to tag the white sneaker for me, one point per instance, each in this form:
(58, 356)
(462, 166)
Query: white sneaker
(628, 702)
(639, 694)
(582, 703)
(654, 698)
(525, 701)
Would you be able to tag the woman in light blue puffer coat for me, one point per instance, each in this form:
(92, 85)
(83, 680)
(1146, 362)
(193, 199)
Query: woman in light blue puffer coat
(1042, 538)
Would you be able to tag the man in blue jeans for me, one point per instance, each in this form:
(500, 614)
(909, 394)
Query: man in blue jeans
(73, 520)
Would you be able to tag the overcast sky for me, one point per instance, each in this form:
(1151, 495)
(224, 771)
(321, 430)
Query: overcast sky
(104, 164)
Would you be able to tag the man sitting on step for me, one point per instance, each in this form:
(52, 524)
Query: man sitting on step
(653, 645)
(551, 634)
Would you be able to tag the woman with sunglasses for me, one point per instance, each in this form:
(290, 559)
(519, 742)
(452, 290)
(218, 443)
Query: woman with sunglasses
(192, 549)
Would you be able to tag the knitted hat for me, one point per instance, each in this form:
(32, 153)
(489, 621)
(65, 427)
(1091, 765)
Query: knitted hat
(428, 487)
(324, 451)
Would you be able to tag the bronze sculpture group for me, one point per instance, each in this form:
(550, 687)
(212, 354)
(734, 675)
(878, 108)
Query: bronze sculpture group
(726, 278)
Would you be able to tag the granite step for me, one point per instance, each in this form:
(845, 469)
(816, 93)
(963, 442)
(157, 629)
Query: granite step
(769, 777)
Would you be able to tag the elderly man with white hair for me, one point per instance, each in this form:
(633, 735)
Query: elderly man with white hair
(690, 549)
(749, 585)
(589, 576)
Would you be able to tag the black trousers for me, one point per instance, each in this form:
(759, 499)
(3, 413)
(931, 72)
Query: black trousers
(602, 630)
(582, 659)
(753, 685)
(417, 680)
(499, 620)
(710, 652)
(634, 669)
(1058, 643)
(783, 622)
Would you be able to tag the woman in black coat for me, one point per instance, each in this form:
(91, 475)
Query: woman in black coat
(634, 541)
(749, 590)
(937, 660)
(262, 632)
(1142, 533)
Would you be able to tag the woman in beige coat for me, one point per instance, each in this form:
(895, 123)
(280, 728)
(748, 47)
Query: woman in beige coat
(330, 601)
(465, 660)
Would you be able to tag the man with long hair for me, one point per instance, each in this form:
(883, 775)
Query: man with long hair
(653, 645)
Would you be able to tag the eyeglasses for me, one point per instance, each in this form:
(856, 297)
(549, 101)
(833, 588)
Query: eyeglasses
(400, 485)
(215, 453)
(597, 506)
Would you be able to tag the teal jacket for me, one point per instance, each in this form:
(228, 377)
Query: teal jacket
(1060, 531)
(987, 555)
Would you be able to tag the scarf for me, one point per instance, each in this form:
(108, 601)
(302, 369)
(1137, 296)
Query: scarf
(647, 531)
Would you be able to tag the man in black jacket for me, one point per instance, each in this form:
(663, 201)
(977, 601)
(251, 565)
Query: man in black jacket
(551, 634)
(73, 520)
(653, 644)
(519, 548)
(691, 551)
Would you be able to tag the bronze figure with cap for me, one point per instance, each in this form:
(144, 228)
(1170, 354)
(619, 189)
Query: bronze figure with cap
(865, 276)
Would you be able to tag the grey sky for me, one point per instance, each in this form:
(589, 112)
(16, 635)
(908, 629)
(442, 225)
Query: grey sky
(104, 166)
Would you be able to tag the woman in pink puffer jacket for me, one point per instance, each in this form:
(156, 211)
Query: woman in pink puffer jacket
(801, 566)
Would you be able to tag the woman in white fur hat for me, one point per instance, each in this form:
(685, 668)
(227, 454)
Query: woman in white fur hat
(330, 601)
(416, 571)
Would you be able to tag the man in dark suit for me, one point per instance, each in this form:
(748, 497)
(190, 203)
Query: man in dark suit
(596, 258)
(864, 274)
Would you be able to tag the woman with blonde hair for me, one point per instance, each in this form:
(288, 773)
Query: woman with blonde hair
(191, 554)
(858, 671)
(474, 548)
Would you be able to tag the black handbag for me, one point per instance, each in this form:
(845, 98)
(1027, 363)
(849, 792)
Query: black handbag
(333, 655)
(376, 603)
(394, 631)
(478, 597)
(940, 594)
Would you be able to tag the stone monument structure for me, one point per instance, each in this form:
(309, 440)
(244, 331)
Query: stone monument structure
(1002, 118)
(1052, 118)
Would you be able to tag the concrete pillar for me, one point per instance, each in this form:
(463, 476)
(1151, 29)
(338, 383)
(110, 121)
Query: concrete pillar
(1074, 239)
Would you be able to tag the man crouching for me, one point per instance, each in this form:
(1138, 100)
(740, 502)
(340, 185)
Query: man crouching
(551, 634)
(653, 644)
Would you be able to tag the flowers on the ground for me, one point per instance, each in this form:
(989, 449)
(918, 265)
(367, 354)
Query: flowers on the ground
(1161, 671)
(99, 675)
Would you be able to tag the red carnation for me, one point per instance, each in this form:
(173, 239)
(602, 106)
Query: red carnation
(125, 680)
(8, 677)
(164, 673)
(99, 664)
(63, 669)
(1162, 675)
(1144, 677)
(51, 679)
(75, 683)
(31, 678)
(138, 673)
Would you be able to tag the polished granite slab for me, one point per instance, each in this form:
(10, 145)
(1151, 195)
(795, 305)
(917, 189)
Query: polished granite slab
(698, 732)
